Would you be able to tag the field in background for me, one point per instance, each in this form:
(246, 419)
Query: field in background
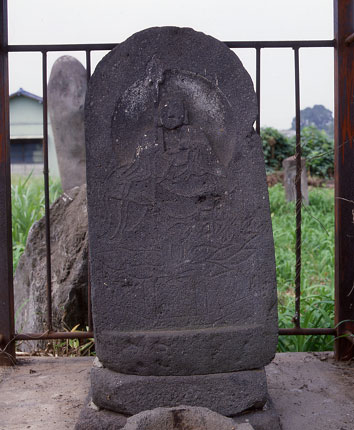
(317, 283)
(317, 301)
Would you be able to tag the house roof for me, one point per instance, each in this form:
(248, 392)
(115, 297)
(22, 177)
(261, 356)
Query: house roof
(23, 93)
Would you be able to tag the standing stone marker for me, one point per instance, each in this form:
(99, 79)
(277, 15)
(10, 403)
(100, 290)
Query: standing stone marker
(182, 261)
(66, 98)
(289, 166)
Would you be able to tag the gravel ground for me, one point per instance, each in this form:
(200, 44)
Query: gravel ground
(310, 391)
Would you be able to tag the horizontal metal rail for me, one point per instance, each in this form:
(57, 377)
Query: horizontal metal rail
(54, 335)
(89, 334)
(307, 331)
(231, 44)
(283, 44)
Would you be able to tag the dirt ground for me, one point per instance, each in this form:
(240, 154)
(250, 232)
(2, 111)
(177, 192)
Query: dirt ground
(310, 392)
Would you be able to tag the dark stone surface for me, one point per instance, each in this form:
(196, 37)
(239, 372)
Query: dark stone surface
(90, 419)
(94, 419)
(69, 247)
(189, 353)
(179, 220)
(225, 393)
(66, 98)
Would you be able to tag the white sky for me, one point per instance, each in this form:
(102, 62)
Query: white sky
(92, 21)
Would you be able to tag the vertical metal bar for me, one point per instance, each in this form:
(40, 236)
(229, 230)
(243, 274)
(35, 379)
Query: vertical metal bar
(46, 191)
(258, 88)
(88, 64)
(7, 325)
(89, 305)
(344, 176)
(89, 308)
(298, 192)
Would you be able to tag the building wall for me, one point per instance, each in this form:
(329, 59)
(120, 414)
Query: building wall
(26, 121)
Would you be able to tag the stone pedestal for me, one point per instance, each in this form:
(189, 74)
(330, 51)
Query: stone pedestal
(289, 166)
(182, 257)
(131, 394)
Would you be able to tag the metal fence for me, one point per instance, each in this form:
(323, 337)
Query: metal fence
(344, 181)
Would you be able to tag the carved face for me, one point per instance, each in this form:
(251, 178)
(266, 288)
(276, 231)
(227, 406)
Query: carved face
(172, 114)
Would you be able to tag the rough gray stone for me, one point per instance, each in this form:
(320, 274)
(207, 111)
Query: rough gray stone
(66, 97)
(289, 166)
(182, 417)
(235, 348)
(91, 419)
(262, 419)
(69, 244)
(226, 393)
(179, 218)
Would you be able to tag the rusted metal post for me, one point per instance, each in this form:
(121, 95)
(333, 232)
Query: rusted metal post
(46, 192)
(297, 315)
(344, 176)
(7, 351)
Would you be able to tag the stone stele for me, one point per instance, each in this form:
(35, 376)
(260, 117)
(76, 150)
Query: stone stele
(66, 98)
(289, 166)
(182, 256)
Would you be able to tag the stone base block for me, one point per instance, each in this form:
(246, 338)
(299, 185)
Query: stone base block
(193, 351)
(93, 418)
(226, 393)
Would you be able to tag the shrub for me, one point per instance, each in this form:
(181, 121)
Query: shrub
(276, 147)
(317, 274)
(318, 149)
(27, 198)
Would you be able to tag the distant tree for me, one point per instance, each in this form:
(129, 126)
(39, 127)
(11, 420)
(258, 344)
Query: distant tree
(317, 116)
(318, 149)
(276, 147)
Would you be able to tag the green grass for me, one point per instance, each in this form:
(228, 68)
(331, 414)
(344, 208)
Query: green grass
(317, 303)
(27, 196)
(317, 283)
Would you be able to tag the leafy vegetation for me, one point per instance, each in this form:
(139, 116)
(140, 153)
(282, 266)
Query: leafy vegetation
(276, 147)
(71, 347)
(317, 301)
(27, 195)
(317, 148)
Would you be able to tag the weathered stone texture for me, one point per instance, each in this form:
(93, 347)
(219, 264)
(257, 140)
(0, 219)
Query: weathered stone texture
(289, 166)
(69, 245)
(234, 348)
(92, 418)
(66, 98)
(182, 417)
(180, 229)
(227, 393)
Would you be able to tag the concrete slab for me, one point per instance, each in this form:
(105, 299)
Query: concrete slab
(309, 390)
